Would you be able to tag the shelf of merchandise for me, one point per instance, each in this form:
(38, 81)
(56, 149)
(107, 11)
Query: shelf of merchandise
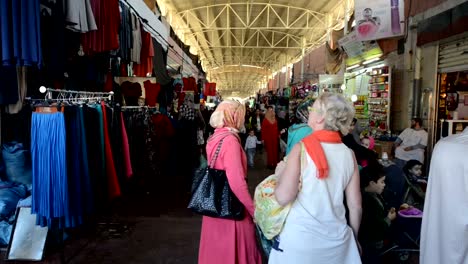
(378, 101)
(454, 126)
(362, 114)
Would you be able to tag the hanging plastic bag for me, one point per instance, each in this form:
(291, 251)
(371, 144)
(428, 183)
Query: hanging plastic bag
(270, 216)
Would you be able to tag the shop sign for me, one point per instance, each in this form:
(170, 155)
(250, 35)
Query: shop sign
(357, 50)
(378, 19)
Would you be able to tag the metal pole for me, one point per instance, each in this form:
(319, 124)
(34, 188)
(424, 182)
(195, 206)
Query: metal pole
(302, 60)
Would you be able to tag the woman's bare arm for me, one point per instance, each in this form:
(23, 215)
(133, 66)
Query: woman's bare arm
(288, 180)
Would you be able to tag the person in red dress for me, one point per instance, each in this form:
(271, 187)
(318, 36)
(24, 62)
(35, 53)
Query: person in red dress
(270, 137)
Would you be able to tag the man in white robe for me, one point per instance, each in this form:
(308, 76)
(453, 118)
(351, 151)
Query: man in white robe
(444, 232)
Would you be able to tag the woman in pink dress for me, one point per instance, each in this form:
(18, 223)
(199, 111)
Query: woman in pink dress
(223, 240)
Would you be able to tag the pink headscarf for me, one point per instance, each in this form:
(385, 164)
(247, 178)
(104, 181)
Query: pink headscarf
(233, 113)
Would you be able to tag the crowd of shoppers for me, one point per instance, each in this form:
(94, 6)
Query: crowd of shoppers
(340, 212)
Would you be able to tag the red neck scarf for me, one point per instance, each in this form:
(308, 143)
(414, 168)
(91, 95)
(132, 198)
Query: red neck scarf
(315, 150)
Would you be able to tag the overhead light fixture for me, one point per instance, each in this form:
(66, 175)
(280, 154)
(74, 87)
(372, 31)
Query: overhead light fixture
(343, 87)
(378, 66)
(283, 70)
(352, 67)
(251, 66)
(371, 60)
(354, 98)
(42, 89)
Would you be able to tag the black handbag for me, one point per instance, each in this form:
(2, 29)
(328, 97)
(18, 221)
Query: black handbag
(211, 194)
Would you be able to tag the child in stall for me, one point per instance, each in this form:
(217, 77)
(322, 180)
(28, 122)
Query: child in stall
(368, 142)
(414, 194)
(376, 219)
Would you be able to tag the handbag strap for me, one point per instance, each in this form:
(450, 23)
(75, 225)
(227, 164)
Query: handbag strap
(215, 157)
(304, 164)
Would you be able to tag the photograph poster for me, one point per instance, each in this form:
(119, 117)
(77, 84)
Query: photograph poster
(378, 19)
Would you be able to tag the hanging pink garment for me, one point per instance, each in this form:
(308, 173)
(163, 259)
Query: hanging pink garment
(126, 150)
(112, 180)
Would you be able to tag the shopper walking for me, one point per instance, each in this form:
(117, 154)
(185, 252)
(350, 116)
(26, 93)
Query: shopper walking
(444, 230)
(251, 148)
(223, 240)
(270, 137)
(300, 129)
(316, 229)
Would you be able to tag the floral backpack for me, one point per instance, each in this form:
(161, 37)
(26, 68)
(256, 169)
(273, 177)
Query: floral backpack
(269, 215)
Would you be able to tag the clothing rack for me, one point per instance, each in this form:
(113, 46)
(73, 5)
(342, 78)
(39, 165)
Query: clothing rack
(137, 107)
(154, 109)
(64, 95)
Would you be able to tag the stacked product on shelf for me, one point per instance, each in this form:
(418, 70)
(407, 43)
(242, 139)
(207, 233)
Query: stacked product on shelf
(379, 101)
(361, 108)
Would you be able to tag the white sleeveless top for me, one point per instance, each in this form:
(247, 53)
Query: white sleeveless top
(316, 230)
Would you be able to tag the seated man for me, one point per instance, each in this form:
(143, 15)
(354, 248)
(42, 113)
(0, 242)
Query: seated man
(411, 143)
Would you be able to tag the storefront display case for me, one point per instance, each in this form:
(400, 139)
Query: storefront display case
(362, 112)
(379, 101)
(452, 107)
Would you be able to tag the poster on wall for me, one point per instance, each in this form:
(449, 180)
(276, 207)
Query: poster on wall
(378, 19)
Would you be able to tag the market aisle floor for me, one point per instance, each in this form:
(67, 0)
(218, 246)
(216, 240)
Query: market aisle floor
(171, 238)
(138, 234)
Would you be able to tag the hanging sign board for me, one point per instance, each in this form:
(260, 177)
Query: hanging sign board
(357, 50)
(378, 19)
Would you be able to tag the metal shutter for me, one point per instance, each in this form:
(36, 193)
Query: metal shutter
(453, 56)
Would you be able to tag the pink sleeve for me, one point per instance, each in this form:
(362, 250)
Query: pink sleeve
(231, 157)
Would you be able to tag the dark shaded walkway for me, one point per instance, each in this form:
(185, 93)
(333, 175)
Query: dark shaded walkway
(139, 234)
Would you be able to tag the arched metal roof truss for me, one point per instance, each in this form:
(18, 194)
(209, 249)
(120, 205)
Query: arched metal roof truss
(252, 34)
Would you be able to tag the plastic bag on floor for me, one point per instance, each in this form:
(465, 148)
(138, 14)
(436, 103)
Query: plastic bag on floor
(17, 162)
(5, 232)
(10, 194)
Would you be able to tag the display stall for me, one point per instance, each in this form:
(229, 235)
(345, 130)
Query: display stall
(299, 92)
(379, 100)
(370, 90)
(453, 103)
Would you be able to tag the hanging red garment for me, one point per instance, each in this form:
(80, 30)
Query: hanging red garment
(270, 136)
(163, 133)
(123, 69)
(181, 99)
(112, 180)
(146, 56)
(106, 37)
(151, 92)
(210, 89)
(126, 149)
(109, 85)
(193, 84)
(189, 84)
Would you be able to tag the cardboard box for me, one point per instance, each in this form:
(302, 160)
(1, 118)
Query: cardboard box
(384, 146)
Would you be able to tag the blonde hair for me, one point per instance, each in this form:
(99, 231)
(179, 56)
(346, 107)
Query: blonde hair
(337, 111)
(229, 113)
